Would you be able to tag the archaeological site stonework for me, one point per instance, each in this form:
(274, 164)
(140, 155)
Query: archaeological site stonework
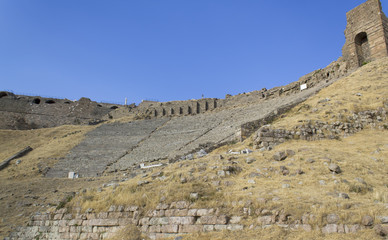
(366, 34)
(173, 131)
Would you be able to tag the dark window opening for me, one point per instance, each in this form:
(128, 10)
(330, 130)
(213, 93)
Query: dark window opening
(156, 113)
(67, 102)
(164, 112)
(206, 106)
(172, 111)
(3, 94)
(180, 110)
(99, 105)
(36, 101)
(50, 101)
(215, 103)
(189, 110)
(198, 108)
(113, 107)
(362, 48)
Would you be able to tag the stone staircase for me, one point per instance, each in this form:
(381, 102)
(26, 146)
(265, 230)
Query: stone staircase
(119, 146)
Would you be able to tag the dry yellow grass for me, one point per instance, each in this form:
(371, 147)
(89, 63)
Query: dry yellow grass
(363, 155)
(370, 81)
(23, 190)
(46, 143)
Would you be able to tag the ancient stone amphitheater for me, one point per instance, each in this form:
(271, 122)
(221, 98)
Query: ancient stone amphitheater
(171, 131)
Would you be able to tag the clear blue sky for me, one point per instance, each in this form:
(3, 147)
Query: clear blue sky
(165, 50)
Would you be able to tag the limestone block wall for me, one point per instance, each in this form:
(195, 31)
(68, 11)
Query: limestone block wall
(267, 137)
(366, 34)
(177, 219)
(151, 109)
(178, 108)
(333, 71)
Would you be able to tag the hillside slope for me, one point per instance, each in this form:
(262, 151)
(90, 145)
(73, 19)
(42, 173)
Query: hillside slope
(254, 186)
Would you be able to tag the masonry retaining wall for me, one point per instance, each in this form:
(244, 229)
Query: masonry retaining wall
(316, 130)
(177, 219)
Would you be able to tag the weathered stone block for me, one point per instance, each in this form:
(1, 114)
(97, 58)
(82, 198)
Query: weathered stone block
(144, 228)
(115, 215)
(208, 228)
(212, 220)
(58, 216)
(102, 215)
(63, 223)
(74, 235)
(162, 206)
(87, 229)
(192, 212)
(219, 227)
(153, 213)
(181, 220)
(169, 228)
(332, 218)
(179, 205)
(205, 212)
(234, 227)
(131, 208)
(154, 229)
(68, 216)
(75, 222)
(144, 221)
(63, 229)
(127, 221)
(103, 222)
(159, 221)
(330, 228)
(235, 219)
(99, 229)
(74, 229)
(190, 228)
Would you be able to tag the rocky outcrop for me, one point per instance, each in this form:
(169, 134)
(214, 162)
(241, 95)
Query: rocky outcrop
(26, 112)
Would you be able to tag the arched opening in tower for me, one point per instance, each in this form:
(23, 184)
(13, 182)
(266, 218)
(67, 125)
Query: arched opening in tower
(362, 48)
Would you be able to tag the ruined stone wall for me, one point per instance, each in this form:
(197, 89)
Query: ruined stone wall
(152, 109)
(268, 137)
(177, 219)
(177, 108)
(25, 112)
(366, 34)
(332, 72)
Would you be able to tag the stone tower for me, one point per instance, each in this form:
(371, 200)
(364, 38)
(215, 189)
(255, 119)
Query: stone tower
(366, 34)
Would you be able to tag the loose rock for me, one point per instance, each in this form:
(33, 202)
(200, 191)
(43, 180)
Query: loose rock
(334, 168)
(280, 156)
(367, 221)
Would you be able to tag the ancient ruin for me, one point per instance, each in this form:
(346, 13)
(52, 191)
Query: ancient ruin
(163, 133)
(366, 34)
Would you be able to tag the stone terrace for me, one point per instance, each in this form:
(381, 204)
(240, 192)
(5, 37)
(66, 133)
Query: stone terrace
(120, 146)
